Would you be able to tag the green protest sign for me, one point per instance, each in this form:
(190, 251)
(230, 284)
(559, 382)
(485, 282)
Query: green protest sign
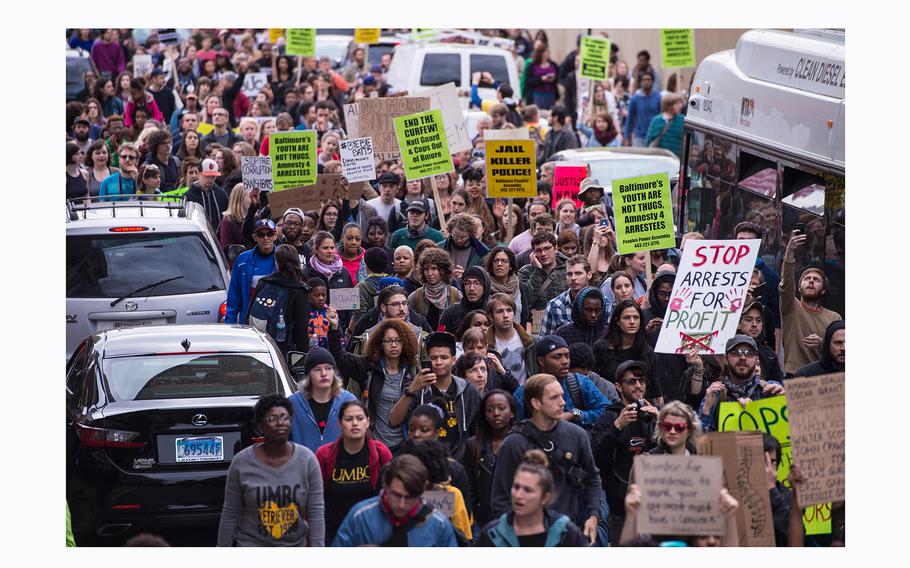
(677, 48)
(595, 58)
(293, 159)
(423, 144)
(644, 213)
(301, 41)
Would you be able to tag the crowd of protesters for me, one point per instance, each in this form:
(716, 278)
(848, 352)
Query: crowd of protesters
(509, 369)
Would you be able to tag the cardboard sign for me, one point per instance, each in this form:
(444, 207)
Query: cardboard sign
(817, 429)
(327, 186)
(644, 213)
(345, 298)
(511, 168)
(742, 454)
(566, 180)
(142, 64)
(536, 321)
(677, 48)
(594, 58)
(445, 98)
(293, 158)
(257, 172)
(375, 116)
(351, 121)
(441, 500)
(252, 83)
(275, 34)
(168, 36)
(301, 41)
(424, 148)
(680, 494)
(366, 35)
(770, 415)
(357, 162)
(710, 287)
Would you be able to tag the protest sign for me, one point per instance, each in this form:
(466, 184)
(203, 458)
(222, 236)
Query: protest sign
(445, 98)
(344, 298)
(257, 172)
(327, 186)
(275, 34)
(350, 120)
(357, 159)
(423, 145)
(301, 41)
(644, 213)
(252, 83)
(566, 180)
(441, 500)
(366, 35)
(770, 415)
(511, 168)
(142, 64)
(293, 158)
(375, 116)
(519, 133)
(677, 48)
(168, 36)
(680, 494)
(595, 58)
(816, 412)
(710, 287)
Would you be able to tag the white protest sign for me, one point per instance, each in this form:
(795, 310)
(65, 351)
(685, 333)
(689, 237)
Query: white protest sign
(257, 172)
(357, 159)
(252, 82)
(142, 64)
(344, 298)
(351, 120)
(441, 500)
(708, 295)
(445, 98)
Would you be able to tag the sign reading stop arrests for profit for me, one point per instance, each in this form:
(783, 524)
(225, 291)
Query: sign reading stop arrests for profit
(293, 159)
(644, 213)
(511, 168)
(677, 48)
(423, 145)
(595, 58)
(301, 41)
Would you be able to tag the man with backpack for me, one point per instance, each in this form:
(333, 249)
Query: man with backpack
(281, 305)
(249, 267)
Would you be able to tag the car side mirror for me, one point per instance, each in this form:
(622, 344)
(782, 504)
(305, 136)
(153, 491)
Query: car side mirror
(295, 359)
(231, 252)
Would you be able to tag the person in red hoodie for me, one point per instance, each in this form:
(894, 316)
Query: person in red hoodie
(350, 466)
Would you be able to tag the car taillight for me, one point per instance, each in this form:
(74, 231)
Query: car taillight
(128, 229)
(106, 438)
(222, 310)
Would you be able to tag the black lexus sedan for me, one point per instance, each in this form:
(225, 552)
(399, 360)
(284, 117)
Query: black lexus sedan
(154, 416)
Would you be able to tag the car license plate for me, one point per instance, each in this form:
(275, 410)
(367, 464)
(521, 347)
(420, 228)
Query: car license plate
(135, 323)
(200, 449)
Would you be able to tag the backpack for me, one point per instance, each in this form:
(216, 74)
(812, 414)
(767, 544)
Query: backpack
(540, 149)
(270, 302)
(575, 391)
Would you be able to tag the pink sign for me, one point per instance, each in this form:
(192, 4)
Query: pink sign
(566, 180)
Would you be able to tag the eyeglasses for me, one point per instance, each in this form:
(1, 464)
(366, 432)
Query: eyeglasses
(128, 157)
(396, 304)
(671, 427)
(743, 352)
(500, 261)
(268, 234)
(391, 341)
(292, 224)
(272, 419)
(634, 381)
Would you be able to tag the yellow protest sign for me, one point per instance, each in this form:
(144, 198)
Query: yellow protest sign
(301, 41)
(366, 35)
(511, 168)
(274, 34)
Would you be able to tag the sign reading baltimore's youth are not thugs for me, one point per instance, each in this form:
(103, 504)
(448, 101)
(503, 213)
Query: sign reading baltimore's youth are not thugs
(293, 158)
(644, 213)
(594, 58)
(423, 145)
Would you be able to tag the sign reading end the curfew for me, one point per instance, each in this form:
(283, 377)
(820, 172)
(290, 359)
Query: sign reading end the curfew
(644, 213)
(423, 145)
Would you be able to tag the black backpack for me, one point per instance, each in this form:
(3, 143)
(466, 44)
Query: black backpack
(270, 302)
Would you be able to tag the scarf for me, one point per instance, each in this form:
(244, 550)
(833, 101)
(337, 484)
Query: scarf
(412, 234)
(397, 521)
(604, 137)
(436, 294)
(739, 391)
(326, 270)
(510, 287)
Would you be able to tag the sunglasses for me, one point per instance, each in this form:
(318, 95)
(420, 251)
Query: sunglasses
(268, 234)
(743, 352)
(634, 381)
(670, 427)
(128, 157)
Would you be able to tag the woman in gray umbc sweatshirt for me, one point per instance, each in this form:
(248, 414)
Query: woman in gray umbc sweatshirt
(273, 494)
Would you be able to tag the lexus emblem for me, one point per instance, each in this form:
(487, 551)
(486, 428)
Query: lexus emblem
(200, 420)
(131, 306)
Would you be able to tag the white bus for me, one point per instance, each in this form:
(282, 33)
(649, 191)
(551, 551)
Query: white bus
(764, 142)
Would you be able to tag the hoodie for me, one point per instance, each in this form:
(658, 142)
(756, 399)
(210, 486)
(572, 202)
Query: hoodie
(670, 368)
(214, 201)
(357, 269)
(298, 308)
(826, 364)
(249, 267)
(305, 430)
(465, 411)
(578, 331)
(452, 316)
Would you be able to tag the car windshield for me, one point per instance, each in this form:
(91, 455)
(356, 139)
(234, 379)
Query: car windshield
(155, 377)
(607, 170)
(113, 265)
(334, 49)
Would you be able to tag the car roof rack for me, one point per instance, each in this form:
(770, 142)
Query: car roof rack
(449, 35)
(86, 204)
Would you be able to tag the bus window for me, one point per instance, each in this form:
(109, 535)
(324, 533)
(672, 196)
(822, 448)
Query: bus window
(711, 201)
(803, 202)
(804, 190)
(835, 254)
(757, 174)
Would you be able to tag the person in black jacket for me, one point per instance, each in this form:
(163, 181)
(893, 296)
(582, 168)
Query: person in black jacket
(626, 341)
(560, 137)
(589, 320)
(669, 368)
(475, 285)
(289, 275)
(833, 353)
(211, 197)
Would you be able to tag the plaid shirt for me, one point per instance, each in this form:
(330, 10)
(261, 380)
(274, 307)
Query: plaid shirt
(558, 312)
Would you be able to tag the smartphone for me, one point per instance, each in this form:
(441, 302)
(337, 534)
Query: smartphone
(800, 228)
(760, 290)
(426, 364)
(605, 222)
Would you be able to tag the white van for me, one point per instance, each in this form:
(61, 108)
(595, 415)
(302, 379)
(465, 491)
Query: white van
(419, 66)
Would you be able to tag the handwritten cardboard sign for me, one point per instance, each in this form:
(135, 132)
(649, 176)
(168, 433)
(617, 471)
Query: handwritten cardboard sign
(644, 213)
(327, 186)
(257, 172)
(375, 116)
(566, 181)
(680, 494)
(253, 82)
(357, 163)
(344, 298)
(817, 429)
(350, 120)
(445, 99)
(441, 500)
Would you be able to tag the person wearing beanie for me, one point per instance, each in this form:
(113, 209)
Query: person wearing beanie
(475, 286)
(318, 400)
(376, 261)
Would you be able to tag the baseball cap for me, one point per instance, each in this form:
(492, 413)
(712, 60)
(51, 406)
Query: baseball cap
(626, 365)
(157, 71)
(210, 168)
(754, 304)
(192, 95)
(389, 177)
(293, 211)
(376, 69)
(549, 343)
(81, 120)
(589, 183)
(369, 80)
(419, 205)
(264, 224)
(441, 339)
(740, 339)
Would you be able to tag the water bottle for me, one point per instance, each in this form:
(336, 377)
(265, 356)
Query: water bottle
(281, 328)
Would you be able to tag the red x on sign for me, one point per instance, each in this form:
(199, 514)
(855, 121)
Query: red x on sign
(701, 342)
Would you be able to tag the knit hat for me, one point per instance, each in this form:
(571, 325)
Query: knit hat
(317, 356)
(549, 343)
(475, 272)
(376, 259)
(387, 281)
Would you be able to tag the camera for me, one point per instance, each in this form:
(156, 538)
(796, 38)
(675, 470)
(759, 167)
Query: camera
(639, 404)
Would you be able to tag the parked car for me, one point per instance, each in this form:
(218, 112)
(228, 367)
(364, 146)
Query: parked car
(138, 263)
(375, 51)
(154, 416)
(333, 46)
(78, 63)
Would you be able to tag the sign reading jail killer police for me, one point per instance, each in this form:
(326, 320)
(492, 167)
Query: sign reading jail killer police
(357, 159)
(708, 295)
(423, 145)
(511, 168)
(257, 172)
(366, 35)
(680, 494)
(644, 213)
(293, 158)
(677, 48)
(595, 58)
